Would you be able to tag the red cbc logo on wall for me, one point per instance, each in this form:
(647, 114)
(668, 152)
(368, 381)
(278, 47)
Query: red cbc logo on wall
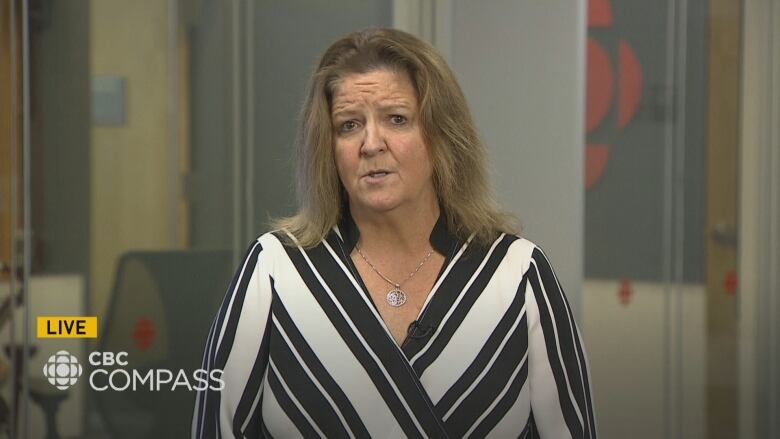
(602, 86)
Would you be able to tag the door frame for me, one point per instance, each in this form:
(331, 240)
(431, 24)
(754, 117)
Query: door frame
(759, 221)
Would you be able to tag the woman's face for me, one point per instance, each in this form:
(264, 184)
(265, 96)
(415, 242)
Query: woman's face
(381, 156)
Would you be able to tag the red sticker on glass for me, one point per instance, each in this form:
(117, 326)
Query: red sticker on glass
(625, 292)
(144, 333)
(730, 283)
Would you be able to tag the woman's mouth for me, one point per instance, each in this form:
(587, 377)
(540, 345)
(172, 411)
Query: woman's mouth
(376, 176)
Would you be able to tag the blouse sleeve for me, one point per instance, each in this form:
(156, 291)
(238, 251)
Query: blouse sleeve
(237, 345)
(561, 400)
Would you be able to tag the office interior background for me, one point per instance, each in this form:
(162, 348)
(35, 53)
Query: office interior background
(145, 143)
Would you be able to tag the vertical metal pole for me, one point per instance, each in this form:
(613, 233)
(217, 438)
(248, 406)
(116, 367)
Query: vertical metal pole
(773, 91)
(174, 173)
(236, 101)
(27, 208)
(679, 207)
(667, 216)
(14, 207)
(249, 186)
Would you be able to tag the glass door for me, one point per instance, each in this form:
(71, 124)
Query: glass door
(143, 146)
(677, 314)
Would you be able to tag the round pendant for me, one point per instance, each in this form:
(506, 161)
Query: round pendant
(396, 297)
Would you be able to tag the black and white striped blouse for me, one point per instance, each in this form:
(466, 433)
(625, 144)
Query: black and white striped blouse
(495, 351)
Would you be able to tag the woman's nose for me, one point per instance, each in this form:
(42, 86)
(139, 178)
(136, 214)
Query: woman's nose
(373, 141)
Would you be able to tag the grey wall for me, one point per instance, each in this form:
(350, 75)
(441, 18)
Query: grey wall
(521, 65)
(60, 135)
(290, 38)
(210, 180)
(287, 38)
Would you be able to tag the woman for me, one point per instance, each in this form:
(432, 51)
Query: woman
(398, 302)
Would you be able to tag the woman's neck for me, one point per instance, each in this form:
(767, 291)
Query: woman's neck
(396, 233)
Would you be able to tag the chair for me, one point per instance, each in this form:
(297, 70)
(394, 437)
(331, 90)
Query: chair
(160, 312)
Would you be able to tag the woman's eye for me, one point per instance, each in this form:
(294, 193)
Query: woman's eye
(348, 126)
(397, 119)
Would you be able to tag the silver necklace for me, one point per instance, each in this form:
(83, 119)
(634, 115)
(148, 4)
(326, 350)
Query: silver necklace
(396, 297)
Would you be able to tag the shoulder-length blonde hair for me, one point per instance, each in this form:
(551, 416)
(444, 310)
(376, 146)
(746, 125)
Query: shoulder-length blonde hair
(458, 155)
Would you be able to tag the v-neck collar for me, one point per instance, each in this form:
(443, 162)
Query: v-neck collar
(442, 239)
(337, 286)
(346, 235)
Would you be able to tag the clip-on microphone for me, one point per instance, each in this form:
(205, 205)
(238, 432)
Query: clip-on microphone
(412, 331)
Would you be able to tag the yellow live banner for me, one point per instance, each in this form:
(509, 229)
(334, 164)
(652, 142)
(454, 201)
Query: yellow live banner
(67, 327)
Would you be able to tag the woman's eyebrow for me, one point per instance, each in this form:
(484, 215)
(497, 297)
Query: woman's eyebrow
(347, 108)
(394, 105)
(343, 111)
(394, 100)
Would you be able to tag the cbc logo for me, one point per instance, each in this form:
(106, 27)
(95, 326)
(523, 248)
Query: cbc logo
(110, 371)
(62, 370)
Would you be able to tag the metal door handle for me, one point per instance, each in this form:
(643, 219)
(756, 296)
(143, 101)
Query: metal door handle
(725, 234)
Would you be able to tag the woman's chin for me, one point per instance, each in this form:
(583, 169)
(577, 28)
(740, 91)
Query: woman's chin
(379, 205)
